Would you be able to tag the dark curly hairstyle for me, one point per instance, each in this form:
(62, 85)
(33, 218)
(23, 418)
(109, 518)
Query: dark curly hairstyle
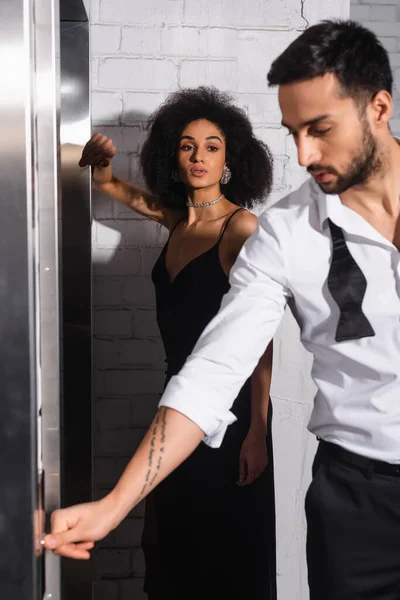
(248, 158)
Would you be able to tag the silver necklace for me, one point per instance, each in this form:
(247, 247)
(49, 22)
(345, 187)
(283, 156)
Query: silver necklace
(203, 204)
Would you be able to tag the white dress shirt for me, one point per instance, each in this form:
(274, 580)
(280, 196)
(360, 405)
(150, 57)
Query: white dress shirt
(287, 260)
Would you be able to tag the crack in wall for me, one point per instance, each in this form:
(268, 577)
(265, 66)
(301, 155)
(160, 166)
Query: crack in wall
(302, 3)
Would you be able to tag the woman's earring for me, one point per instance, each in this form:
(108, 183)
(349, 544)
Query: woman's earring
(175, 177)
(226, 176)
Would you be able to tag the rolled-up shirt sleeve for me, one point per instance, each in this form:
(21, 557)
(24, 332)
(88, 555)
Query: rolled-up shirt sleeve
(231, 345)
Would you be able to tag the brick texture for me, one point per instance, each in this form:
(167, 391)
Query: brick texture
(383, 18)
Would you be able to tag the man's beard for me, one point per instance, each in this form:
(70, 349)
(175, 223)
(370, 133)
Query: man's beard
(361, 169)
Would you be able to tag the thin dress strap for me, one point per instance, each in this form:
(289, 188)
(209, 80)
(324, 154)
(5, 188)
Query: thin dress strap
(175, 226)
(227, 223)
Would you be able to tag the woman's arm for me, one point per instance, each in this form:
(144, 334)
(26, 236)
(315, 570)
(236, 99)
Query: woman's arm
(260, 391)
(254, 456)
(98, 153)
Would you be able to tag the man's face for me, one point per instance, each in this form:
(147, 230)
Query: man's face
(334, 141)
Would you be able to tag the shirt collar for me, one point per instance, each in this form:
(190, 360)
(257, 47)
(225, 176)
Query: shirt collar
(330, 207)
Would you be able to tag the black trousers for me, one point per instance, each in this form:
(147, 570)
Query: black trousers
(353, 527)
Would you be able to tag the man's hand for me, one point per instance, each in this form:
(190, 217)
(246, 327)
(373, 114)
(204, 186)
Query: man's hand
(74, 530)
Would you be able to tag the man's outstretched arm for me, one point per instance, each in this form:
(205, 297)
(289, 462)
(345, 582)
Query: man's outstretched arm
(196, 403)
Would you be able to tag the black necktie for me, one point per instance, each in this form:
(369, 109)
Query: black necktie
(347, 285)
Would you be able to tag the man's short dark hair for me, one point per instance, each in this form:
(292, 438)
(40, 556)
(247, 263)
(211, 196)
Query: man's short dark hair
(349, 51)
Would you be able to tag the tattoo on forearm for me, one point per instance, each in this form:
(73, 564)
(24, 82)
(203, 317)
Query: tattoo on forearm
(152, 447)
(157, 448)
(162, 440)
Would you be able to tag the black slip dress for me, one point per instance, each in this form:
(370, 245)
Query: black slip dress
(206, 538)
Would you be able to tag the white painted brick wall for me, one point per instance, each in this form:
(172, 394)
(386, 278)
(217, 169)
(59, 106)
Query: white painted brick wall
(383, 18)
(140, 52)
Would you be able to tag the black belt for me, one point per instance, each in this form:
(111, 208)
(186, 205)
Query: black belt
(360, 462)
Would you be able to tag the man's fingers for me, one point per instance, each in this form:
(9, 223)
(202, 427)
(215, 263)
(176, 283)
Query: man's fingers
(85, 545)
(56, 540)
(65, 529)
(67, 541)
(73, 551)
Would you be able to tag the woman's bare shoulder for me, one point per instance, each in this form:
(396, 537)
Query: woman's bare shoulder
(242, 224)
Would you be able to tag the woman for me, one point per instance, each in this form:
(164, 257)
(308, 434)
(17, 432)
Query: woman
(210, 526)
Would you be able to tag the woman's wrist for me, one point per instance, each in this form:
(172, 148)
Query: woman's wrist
(102, 176)
(258, 427)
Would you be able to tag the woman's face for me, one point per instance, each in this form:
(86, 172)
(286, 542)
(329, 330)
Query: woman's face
(201, 154)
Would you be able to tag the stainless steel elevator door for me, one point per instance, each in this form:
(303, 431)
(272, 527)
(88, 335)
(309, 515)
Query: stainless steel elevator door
(76, 277)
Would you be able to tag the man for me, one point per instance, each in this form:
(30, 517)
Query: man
(331, 251)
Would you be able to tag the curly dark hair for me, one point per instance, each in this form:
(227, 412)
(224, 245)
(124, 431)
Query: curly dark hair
(248, 158)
